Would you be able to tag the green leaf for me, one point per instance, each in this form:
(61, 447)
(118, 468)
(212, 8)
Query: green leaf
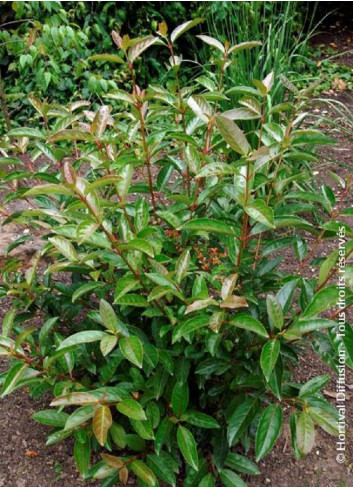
(64, 247)
(211, 41)
(275, 313)
(138, 245)
(75, 398)
(182, 265)
(107, 344)
(314, 385)
(228, 285)
(159, 279)
(125, 285)
(221, 447)
(285, 295)
(170, 218)
(85, 289)
(71, 135)
(82, 337)
(233, 135)
(241, 114)
(134, 300)
(325, 420)
(162, 435)
(8, 322)
(299, 328)
(188, 447)
(118, 435)
(50, 417)
(111, 58)
(268, 430)
(140, 46)
(231, 479)
(244, 321)
(132, 349)
(310, 136)
(241, 419)
(80, 416)
(241, 464)
(26, 132)
(108, 315)
(6, 160)
(305, 433)
(180, 398)
(207, 481)
(57, 437)
(200, 107)
(13, 378)
(102, 421)
(161, 291)
(209, 225)
(261, 212)
(201, 420)
(143, 472)
(143, 429)
(82, 452)
(275, 382)
(201, 304)
(322, 300)
(180, 29)
(244, 45)
(131, 409)
(217, 169)
(189, 326)
(100, 121)
(269, 355)
(160, 465)
(293, 431)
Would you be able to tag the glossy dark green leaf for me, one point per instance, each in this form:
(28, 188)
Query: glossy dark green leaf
(323, 300)
(82, 452)
(188, 447)
(269, 355)
(231, 479)
(242, 464)
(160, 466)
(143, 472)
(180, 398)
(313, 385)
(245, 321)
(209, 225)
(240, 419)
(305, 433)
(51, 417)
(233, 135)
(201, 420)
(132, 349)
(268, 430)
(132, 409)
(82, 337)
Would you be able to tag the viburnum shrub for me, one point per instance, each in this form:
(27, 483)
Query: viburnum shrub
(160, 312)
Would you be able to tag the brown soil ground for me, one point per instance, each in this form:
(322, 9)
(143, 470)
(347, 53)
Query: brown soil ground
(25, 461)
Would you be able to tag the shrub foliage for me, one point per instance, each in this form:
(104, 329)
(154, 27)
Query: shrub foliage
(167, 305)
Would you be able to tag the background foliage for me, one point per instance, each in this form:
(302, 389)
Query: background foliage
(45, 48)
